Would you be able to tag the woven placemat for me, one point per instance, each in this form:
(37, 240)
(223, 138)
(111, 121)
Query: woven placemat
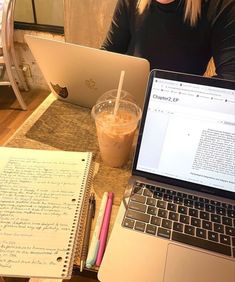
(66, 127)
(71, 128)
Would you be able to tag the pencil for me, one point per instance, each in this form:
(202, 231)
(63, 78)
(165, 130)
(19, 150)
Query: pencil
(90, 216)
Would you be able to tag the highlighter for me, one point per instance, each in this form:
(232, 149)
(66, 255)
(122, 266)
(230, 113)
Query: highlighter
(94, 246)
(104, 229)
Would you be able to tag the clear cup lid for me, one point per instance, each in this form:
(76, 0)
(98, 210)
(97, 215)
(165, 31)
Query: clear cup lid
(111, 94)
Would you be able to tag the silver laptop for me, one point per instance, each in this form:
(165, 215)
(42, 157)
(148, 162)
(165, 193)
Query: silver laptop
(176, 222)
(80, 75)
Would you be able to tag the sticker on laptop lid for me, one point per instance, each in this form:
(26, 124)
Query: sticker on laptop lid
(61, 91)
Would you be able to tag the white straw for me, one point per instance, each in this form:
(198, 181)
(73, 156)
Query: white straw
(119, 93)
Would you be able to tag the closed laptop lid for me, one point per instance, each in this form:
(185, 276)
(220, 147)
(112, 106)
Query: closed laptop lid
(80, 74)
(187, 133)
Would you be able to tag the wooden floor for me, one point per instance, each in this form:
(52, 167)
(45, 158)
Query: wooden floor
(11, 117)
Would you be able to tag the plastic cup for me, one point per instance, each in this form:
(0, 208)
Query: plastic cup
(116, 133)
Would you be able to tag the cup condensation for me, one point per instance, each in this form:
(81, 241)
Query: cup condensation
(116, 133)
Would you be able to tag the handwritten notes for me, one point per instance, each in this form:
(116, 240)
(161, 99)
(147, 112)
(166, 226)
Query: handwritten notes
(41, 196)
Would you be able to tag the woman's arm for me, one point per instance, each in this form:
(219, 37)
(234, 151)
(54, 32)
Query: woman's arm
(223, 38)
(118, 36)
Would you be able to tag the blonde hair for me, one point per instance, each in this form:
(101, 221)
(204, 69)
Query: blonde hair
(192, 9)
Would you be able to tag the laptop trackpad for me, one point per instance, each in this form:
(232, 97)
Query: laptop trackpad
(184, 264)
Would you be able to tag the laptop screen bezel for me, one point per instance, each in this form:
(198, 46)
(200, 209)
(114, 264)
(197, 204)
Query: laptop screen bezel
(214, 82)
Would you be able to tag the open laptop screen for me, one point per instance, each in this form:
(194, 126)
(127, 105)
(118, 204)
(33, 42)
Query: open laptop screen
(187, 133)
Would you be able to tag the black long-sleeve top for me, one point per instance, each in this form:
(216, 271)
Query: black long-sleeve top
(162, 36)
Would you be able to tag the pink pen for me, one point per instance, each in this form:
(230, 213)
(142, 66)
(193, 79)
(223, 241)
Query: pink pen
(104, 229)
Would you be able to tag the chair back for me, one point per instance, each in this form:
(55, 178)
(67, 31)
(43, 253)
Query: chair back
(7, 53)
(1, 9)
(7, 27)
(210, 71)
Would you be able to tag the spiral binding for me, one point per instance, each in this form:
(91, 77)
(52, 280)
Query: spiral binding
(75, 240)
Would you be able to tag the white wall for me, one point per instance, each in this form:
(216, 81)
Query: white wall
(32, 73)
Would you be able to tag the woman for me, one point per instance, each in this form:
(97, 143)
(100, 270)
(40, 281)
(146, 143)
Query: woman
(177, 35)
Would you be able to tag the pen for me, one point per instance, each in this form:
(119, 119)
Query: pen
(90, 216)
(92, 253)
(104, 229)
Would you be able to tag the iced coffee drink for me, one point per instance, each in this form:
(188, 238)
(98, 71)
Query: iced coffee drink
(115, 133)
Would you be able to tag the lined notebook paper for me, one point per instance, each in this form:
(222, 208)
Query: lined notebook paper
(42, 195)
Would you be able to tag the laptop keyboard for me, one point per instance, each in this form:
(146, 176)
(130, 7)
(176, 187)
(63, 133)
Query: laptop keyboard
(181, 217)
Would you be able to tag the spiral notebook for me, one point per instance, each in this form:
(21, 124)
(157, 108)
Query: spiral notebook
(42, 199)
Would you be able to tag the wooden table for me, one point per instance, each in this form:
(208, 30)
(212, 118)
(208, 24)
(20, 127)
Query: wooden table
(57, 125)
